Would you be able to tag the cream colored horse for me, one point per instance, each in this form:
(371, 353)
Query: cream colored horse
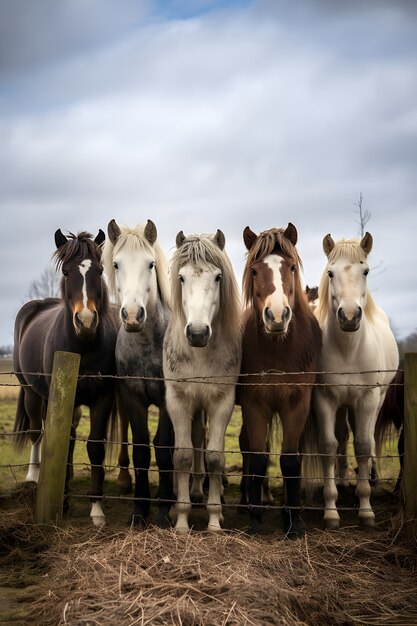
(359, 359)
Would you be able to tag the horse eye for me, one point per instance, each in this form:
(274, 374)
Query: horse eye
(254, 272)
(65, 273)
(293, 268)
(152, 265)
(180, 278)
(218, 278)
(116, 265)
(366, 272)
(330, 274)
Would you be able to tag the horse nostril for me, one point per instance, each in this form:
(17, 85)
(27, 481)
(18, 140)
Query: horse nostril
(341, 315)
(95, 318)
(77, 319)
(123, 314)
(269, 316)
(358, 315)
(140, 314)
(286, 314)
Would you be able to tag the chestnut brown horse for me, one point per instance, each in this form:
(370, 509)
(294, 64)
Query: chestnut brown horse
(80, 321)
(280, 336)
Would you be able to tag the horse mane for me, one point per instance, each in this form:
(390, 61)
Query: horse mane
(267, 242)
(351, 250)
(201, 250)
(77, 245)
(133, 239)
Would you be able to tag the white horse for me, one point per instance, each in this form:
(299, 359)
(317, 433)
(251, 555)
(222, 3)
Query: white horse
(138, 279)
(201, 359)
(358, 361)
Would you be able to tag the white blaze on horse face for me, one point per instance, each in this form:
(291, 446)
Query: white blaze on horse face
(85, 316)
(277, 311)
(200, 301)
(347, 292)
(136, 283)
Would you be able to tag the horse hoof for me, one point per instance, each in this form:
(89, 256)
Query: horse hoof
(138, 521)
(332, 524)
(367, 519)
(214, 528)
(163, 521)
(295, 531)
(182, 529)
(98, 520)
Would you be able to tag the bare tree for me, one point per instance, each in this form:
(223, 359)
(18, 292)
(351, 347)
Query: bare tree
(47, 285)
(364, 215)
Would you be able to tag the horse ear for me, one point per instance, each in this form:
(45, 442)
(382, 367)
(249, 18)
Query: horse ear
(366, 243)
(100, 238)
(328, 244)
(113, 231)
(60, 239)
(220, 239)
(150, 232)
(249, 237)
(291, 234)
(179, 239)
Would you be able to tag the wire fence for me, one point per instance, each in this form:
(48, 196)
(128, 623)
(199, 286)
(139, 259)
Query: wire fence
(236, 472)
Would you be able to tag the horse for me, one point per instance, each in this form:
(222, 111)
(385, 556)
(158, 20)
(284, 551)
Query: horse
(358, 361)
(312, 294)
(280, 336)
(138, 279)
(203, 340)
(391, 415)
(79, 321)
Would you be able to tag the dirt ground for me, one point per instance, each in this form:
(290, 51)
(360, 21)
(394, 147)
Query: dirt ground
(76, 574)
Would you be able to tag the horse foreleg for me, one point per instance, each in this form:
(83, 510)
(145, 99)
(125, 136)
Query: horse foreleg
(219, 416)
(198, 437)
(163, 443)
(124, 479)
(325, 409)
(99, 415)
(365, 418)
(342, 435)
(256, 423)
(181, 417)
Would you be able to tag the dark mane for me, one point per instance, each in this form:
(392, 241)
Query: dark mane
(81, 245)
(268, 242)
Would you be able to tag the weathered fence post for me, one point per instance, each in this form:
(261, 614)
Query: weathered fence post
(410, 442)
(56, 436)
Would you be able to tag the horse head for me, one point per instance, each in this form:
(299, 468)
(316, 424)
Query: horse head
(271, 276)
(345, 280)
(132, 259)
(201, 266)
(82, 287)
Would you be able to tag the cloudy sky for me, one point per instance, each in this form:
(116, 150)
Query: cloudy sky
(213, 114)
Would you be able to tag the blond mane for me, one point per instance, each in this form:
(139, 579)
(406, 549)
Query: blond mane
(268, 241)
(200, 250)
(351, 250)
(133, 239)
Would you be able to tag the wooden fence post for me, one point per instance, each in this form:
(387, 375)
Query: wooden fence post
(410, 443)
(56, 437)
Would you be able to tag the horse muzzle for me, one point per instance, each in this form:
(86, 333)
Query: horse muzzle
(349, 325)
(197, 335)
(276, 326)
(133, 319)
(85, 323)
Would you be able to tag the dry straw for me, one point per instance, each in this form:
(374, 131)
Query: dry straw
(156, 577)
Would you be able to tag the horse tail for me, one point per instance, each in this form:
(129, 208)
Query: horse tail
(391, 414)
(311, 467)
(113, 431)
(21, 422)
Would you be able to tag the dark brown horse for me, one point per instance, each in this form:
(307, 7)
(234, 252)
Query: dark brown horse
(81, 322)
(280, 335)
(391, 414)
